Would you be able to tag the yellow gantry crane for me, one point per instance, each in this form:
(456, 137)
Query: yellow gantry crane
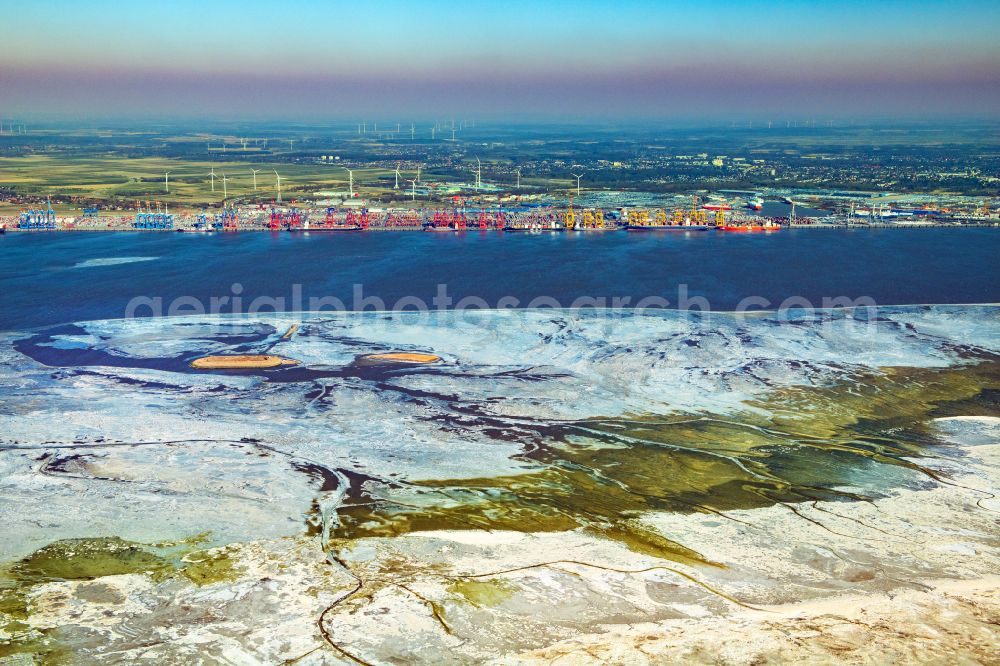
(570, 216)
(638, 218)
(592, 218)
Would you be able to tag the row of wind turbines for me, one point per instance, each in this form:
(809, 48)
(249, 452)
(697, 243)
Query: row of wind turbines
(225, 180)
(438, 128)
(479, 177)
(350, 180)
(277, 176)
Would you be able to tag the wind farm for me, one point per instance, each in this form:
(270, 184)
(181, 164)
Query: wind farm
(114, 183)
(489, 168)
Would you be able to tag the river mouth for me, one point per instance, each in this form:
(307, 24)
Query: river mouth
(617, 430)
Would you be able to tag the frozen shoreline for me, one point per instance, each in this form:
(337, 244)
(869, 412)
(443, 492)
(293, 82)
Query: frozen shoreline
(908, 578)
(840, 488)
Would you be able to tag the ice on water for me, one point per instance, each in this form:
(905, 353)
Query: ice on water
(200, 450)
(111, 261)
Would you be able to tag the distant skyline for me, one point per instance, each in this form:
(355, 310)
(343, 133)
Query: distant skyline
(583, 59)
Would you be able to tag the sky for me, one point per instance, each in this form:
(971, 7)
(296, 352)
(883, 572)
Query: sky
(516, 58)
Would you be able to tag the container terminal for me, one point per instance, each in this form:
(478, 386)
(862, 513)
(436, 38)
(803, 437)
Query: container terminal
(602, 211)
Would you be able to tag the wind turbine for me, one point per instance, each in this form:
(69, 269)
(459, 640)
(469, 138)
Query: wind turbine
(254, 172)
(225, 194)
(397, 176)
(166, 181)
(479, 174)
(413, 131)
(418, 173)
(452, 131)
(278, 176)
(518, 179)
(291, 145)
(413, 190)
(578, 177)
(212, 174)
(350, 176)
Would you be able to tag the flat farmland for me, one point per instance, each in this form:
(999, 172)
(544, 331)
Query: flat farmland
(114, 179)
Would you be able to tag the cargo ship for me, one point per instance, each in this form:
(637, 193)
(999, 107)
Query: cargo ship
(330, 228)
(439, 228)
(550, 225)
(666, 227)
(326, 227)
(717, 206)
(755, 203)
(748, 226)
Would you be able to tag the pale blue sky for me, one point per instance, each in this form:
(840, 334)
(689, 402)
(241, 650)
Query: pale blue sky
(628, 57)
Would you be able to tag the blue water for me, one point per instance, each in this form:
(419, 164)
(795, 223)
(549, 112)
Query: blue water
(50, 278)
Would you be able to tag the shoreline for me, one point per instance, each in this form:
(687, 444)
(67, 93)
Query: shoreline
(472, 229)
(603, 311)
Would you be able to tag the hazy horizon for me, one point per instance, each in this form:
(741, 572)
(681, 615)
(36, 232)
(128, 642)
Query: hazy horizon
(580, 60)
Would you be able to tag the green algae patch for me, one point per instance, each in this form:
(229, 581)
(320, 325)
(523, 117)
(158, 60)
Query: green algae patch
(13, 608)
(483, 593)
(642, 540)
(85, 559)
(18, 640)
(893, 398)
(210, 566)
(92, 559)
(854, 440)
(34, 651)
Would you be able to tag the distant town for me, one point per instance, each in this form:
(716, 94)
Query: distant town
(459, 174)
